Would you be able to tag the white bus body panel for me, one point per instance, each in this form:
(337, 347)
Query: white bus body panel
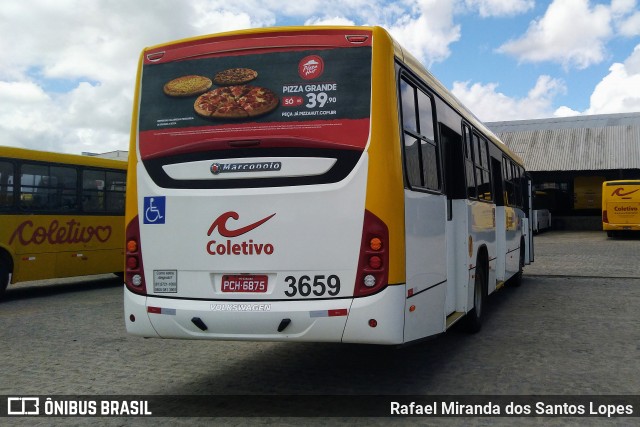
(316, 231)
(259, 321)
(426, 263)
(501, 244)
(459, 261)
(136, 316)
(482, 229)
(428, 316)
(386, 308)
(516, 224)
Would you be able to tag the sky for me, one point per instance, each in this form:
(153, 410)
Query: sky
(68, 71)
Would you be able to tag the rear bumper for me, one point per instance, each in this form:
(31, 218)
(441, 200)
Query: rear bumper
(335, 320)
(620, 227)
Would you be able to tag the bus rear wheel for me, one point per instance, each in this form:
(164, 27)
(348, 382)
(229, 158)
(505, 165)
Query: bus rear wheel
(475, 316)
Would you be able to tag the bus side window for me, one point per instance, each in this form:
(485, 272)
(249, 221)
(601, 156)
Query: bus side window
(517, 193)
(33, 187)
(93, 183)
(410, 128)
(6, 185)
(65, 197)
(428, 149)
(115, 188)
(484, 190)
(422, 163)
(508, 183)
(469, 168)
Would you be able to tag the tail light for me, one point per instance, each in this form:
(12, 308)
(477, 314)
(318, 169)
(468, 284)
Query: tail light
(605, 218)
(134, 273)
(373, 263)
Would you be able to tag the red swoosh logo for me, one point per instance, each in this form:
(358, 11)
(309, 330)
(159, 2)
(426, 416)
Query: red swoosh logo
(221, 225)
(618, 192)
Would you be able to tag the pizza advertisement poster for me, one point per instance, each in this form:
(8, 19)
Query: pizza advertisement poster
(322, 95)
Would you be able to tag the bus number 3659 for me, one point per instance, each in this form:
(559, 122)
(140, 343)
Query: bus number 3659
(305, 286)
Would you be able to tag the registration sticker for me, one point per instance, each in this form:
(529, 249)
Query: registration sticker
(165, 281)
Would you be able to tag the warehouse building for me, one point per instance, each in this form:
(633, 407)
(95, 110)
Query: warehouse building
(570, 157)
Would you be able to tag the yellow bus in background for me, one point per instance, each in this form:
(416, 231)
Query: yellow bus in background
(620, 206)
(61, 214)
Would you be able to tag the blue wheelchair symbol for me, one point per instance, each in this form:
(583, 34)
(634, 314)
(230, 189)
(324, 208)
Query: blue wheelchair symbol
(154, 210)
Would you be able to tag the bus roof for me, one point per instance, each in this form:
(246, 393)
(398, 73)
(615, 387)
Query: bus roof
(259, 31)
(51, 157)
(622, 182)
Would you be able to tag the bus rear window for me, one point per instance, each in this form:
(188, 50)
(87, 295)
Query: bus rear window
(319, 97)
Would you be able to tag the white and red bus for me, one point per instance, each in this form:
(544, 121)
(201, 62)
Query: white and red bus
(366, 206)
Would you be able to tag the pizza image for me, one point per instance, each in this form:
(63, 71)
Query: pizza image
(235, 76)
(236, 102)
(187, 86)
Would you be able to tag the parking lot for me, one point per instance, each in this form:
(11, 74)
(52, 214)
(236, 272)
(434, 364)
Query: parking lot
(570, 329)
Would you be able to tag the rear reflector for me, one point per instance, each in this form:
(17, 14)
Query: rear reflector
(339, 312)
(329, 313)
(375, 262)
(160, 310)
(132, 263)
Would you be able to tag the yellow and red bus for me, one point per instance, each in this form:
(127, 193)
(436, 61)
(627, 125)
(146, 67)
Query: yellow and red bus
(62, 215)
(367, 206)
(620, 206)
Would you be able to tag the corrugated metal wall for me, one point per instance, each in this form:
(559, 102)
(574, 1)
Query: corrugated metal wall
(554, 145)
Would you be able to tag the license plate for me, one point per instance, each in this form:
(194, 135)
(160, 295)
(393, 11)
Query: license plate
(256, 283)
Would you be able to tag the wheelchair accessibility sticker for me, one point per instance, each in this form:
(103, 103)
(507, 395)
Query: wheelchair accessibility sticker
(154, 210)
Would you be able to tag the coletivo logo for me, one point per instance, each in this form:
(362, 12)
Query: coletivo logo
(619, 192)
(221, 224)
(311, 67)
(230, 247)
(56, 233)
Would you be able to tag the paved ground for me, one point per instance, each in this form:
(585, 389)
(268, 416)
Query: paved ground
(570, 329)
(585, 254)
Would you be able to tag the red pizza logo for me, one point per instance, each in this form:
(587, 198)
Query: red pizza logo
(311, 67)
